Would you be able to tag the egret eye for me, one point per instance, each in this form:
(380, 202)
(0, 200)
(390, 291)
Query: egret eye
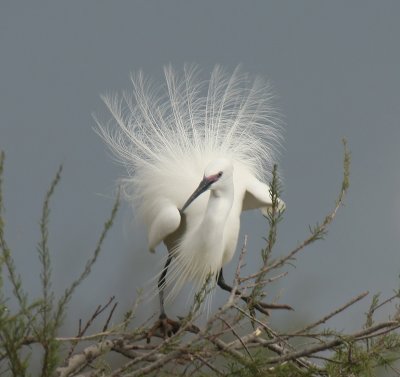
(219, 174)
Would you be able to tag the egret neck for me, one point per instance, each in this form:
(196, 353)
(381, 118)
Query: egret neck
(215, 218)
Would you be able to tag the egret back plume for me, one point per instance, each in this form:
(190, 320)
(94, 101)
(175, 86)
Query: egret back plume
(167, 134)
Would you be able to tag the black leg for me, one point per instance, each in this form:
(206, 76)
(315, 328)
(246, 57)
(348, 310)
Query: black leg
(161, 286)
(260, 306)
(222, 284)
(166, 326)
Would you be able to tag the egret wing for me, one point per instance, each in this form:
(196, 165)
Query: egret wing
(166, 221)
(256, 195)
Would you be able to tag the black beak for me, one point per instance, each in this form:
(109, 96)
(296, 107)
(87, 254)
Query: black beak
(203, 186)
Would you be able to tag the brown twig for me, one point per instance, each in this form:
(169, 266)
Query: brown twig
(105, 327)
(81, 331)
(240, 340)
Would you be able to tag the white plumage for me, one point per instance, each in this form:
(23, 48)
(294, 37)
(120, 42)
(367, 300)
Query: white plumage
(171, 135)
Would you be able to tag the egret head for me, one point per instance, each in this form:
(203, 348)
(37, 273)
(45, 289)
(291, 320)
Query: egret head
(217, 177)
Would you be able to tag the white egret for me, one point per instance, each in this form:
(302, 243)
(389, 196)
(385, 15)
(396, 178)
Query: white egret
(221, 132)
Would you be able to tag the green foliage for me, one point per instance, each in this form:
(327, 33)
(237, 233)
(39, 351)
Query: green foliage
(38, 320)
(259, 370)
(48, 326)
(356, 359)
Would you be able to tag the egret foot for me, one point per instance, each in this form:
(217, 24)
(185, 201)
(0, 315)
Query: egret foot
(262, 307)
(164, 327)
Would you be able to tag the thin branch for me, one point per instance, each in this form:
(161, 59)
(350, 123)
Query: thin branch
(237, 337)
(68, 292)
(78, 362)
(319, 231)
(332, 314)
(212, 367)
(331, 344)
(82, 330)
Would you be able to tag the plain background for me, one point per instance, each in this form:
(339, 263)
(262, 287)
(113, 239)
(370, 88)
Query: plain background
(335, 67)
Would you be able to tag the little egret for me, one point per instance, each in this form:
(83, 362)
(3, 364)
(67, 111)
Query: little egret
(221, 132)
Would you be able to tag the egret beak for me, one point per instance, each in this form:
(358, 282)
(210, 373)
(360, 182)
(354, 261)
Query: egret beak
(203, 186)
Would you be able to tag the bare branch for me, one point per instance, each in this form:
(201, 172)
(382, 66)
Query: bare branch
(332, 314)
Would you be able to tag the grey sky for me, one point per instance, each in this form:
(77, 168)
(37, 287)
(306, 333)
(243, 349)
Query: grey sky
(335, 67)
